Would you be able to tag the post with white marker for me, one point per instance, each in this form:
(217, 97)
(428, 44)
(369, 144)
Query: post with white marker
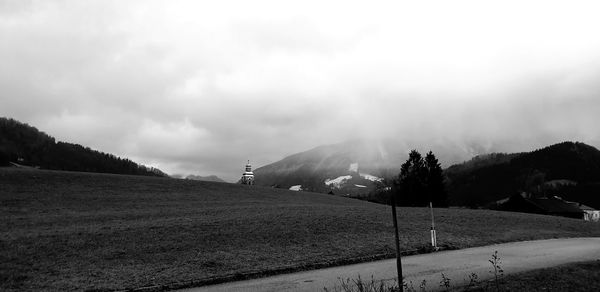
(433, 235)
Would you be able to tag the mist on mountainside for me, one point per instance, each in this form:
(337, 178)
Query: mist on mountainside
(359, 163)
(361, 168)
(377, 154)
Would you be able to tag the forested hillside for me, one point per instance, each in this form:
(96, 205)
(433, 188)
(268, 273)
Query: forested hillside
(569, 169)
(480, 161)
(23, 144)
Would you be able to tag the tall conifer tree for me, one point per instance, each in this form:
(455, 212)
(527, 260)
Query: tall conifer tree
(421, 181)
(411, 181)
(436, 191)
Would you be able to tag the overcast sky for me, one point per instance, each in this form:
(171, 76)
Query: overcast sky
(198, 87)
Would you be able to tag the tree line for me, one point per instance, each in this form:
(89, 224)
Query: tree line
(23, 144)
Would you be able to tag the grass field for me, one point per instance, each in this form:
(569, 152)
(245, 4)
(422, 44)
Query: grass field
(82, 231)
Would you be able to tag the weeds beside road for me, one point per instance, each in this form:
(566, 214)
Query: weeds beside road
(584, 276)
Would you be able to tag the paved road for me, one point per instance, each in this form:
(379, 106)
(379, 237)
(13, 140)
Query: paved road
(456, 265)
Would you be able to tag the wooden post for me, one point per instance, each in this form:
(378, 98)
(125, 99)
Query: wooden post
(398, 259)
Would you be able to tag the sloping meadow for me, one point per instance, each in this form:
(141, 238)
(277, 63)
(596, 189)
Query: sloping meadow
(85, 231)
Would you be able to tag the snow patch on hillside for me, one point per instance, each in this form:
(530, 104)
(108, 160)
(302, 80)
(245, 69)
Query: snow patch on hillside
(353, 167)
(337, 182)
(370, 177)
(296, 188)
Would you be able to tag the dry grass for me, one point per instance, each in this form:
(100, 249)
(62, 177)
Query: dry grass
(78, 231)
(583, 276)
(571, 277)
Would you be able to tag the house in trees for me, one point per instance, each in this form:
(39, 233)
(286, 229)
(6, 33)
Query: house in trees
(555, 206)
(590, 214)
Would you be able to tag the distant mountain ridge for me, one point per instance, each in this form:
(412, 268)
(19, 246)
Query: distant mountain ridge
(330, 168)
(213, 178)
(23, 144)
(354, 167)
(568, 169)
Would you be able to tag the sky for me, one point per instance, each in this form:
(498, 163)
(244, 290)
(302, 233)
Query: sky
(199, 87)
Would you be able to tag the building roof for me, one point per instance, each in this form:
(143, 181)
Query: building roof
(555, 205)
(584, 207)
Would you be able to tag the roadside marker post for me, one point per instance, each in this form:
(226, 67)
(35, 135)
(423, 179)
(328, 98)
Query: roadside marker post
(398, 258)
(433, 235)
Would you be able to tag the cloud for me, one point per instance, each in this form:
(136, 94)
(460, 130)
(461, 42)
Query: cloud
(193, 87)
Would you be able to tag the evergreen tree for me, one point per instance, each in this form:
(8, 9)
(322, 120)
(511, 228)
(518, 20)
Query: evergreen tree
(436, 191)
(412, 180)
(421, 181)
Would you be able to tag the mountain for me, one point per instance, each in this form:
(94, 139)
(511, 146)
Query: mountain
(213, 178)
(355, 167)
(358, 167)
(335, 167)
(23, 144)
(569, 169)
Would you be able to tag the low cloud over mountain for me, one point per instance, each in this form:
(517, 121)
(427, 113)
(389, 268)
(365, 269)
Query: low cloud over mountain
(200, 87)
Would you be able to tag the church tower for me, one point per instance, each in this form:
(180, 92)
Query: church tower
(248, 176)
